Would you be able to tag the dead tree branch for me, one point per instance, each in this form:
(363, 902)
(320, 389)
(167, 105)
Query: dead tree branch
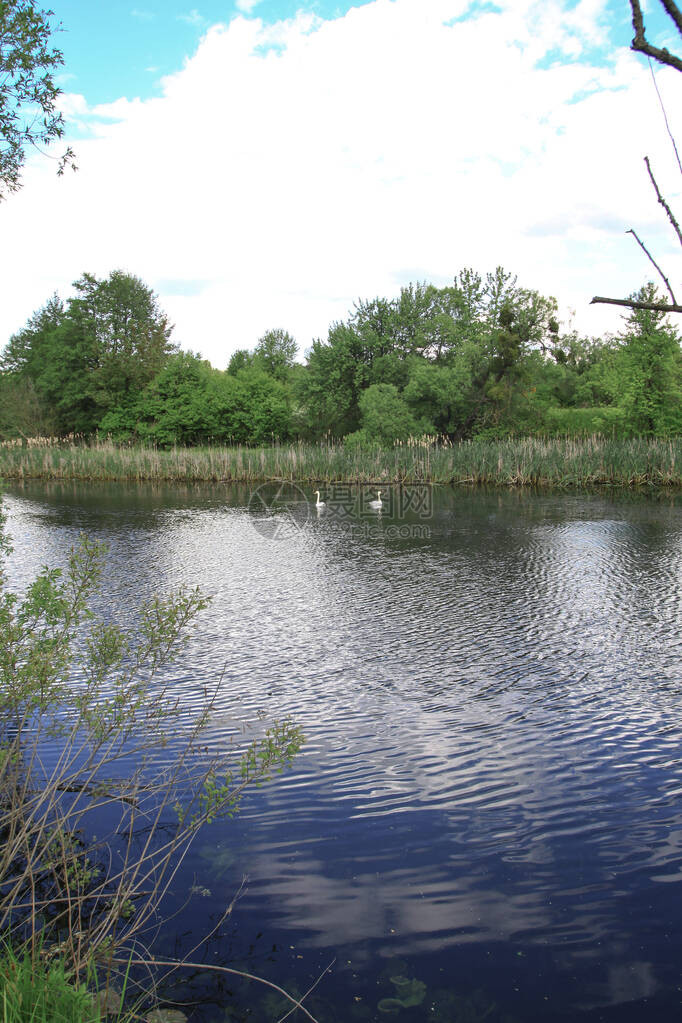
(651, 258)
(640, 42)
(657, 307)
(663, 203)
(674, 12)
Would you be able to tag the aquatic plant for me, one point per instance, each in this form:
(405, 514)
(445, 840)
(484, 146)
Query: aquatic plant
(408, 993)
(559, 462)
(219, 859)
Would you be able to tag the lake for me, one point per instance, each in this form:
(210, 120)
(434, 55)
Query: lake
(489, 800)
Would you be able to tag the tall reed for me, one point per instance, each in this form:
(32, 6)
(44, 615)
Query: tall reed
(562, 462)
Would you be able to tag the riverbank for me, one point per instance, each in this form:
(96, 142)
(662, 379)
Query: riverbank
(562, 463)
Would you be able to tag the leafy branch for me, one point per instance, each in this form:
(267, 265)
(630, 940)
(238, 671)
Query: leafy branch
(99, 704)
(29, 113)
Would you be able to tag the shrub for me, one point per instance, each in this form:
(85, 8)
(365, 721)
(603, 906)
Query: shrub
(84, 712)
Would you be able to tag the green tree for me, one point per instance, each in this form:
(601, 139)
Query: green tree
(119, 320)
(509, 324)
(240, 359)
(648, 375)
(191, 403)
(456, 355)
(276, 353)
(338, 372)
(178, 406)
(29, 111)
(441, 393)
(260, 410)
(23, 413)
(25, 409)
(96, 354)
(386, 417)
(27, 352)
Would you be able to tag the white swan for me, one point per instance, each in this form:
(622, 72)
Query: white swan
(378, 503)
(318, 503)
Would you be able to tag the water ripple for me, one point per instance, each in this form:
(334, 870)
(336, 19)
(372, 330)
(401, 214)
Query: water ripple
(492, 715)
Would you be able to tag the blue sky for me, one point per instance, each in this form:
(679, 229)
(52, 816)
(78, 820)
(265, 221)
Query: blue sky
(123, 49)
(117, 49)
(265, 163)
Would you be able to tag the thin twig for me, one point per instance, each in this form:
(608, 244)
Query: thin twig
(665, 115)
(310, 989)
(222, 969)
(643, 246)
(662, 201)
(206, 938)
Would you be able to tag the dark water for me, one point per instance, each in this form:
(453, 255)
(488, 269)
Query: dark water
(489, 801)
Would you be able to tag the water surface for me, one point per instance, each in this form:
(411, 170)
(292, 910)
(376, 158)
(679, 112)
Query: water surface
(489, 800)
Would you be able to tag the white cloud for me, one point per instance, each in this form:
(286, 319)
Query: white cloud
(246, 6)
(72, 104)
(294, 168)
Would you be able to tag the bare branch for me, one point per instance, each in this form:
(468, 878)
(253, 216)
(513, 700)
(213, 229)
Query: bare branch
(671, 216)
(643, 246)
(641, 44)
(309, 991)
(296, 1002)
(657, 307)
(674, 12)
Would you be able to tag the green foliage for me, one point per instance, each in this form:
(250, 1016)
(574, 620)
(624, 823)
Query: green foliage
(573, 422)
(275, 353)
(96, 693)
(481, 357)
(26, 405)
(650, 379)
(35, 991)
(23, 412)
(385, 416)
(177, 406)
(441, 392)
(29, 111)
(190, 403)
(261, 411)
(94, 355)
(337, 374)
(454, 355)
(262, 758)
(241, 359)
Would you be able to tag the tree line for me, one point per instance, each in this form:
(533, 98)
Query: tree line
(480, 357)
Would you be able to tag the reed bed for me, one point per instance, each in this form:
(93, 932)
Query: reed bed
(530, 461)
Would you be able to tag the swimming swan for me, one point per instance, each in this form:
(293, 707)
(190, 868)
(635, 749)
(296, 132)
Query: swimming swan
(378, 503)
(318, 503)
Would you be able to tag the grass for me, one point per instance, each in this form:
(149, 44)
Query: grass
(559, 462)
(33, 991)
